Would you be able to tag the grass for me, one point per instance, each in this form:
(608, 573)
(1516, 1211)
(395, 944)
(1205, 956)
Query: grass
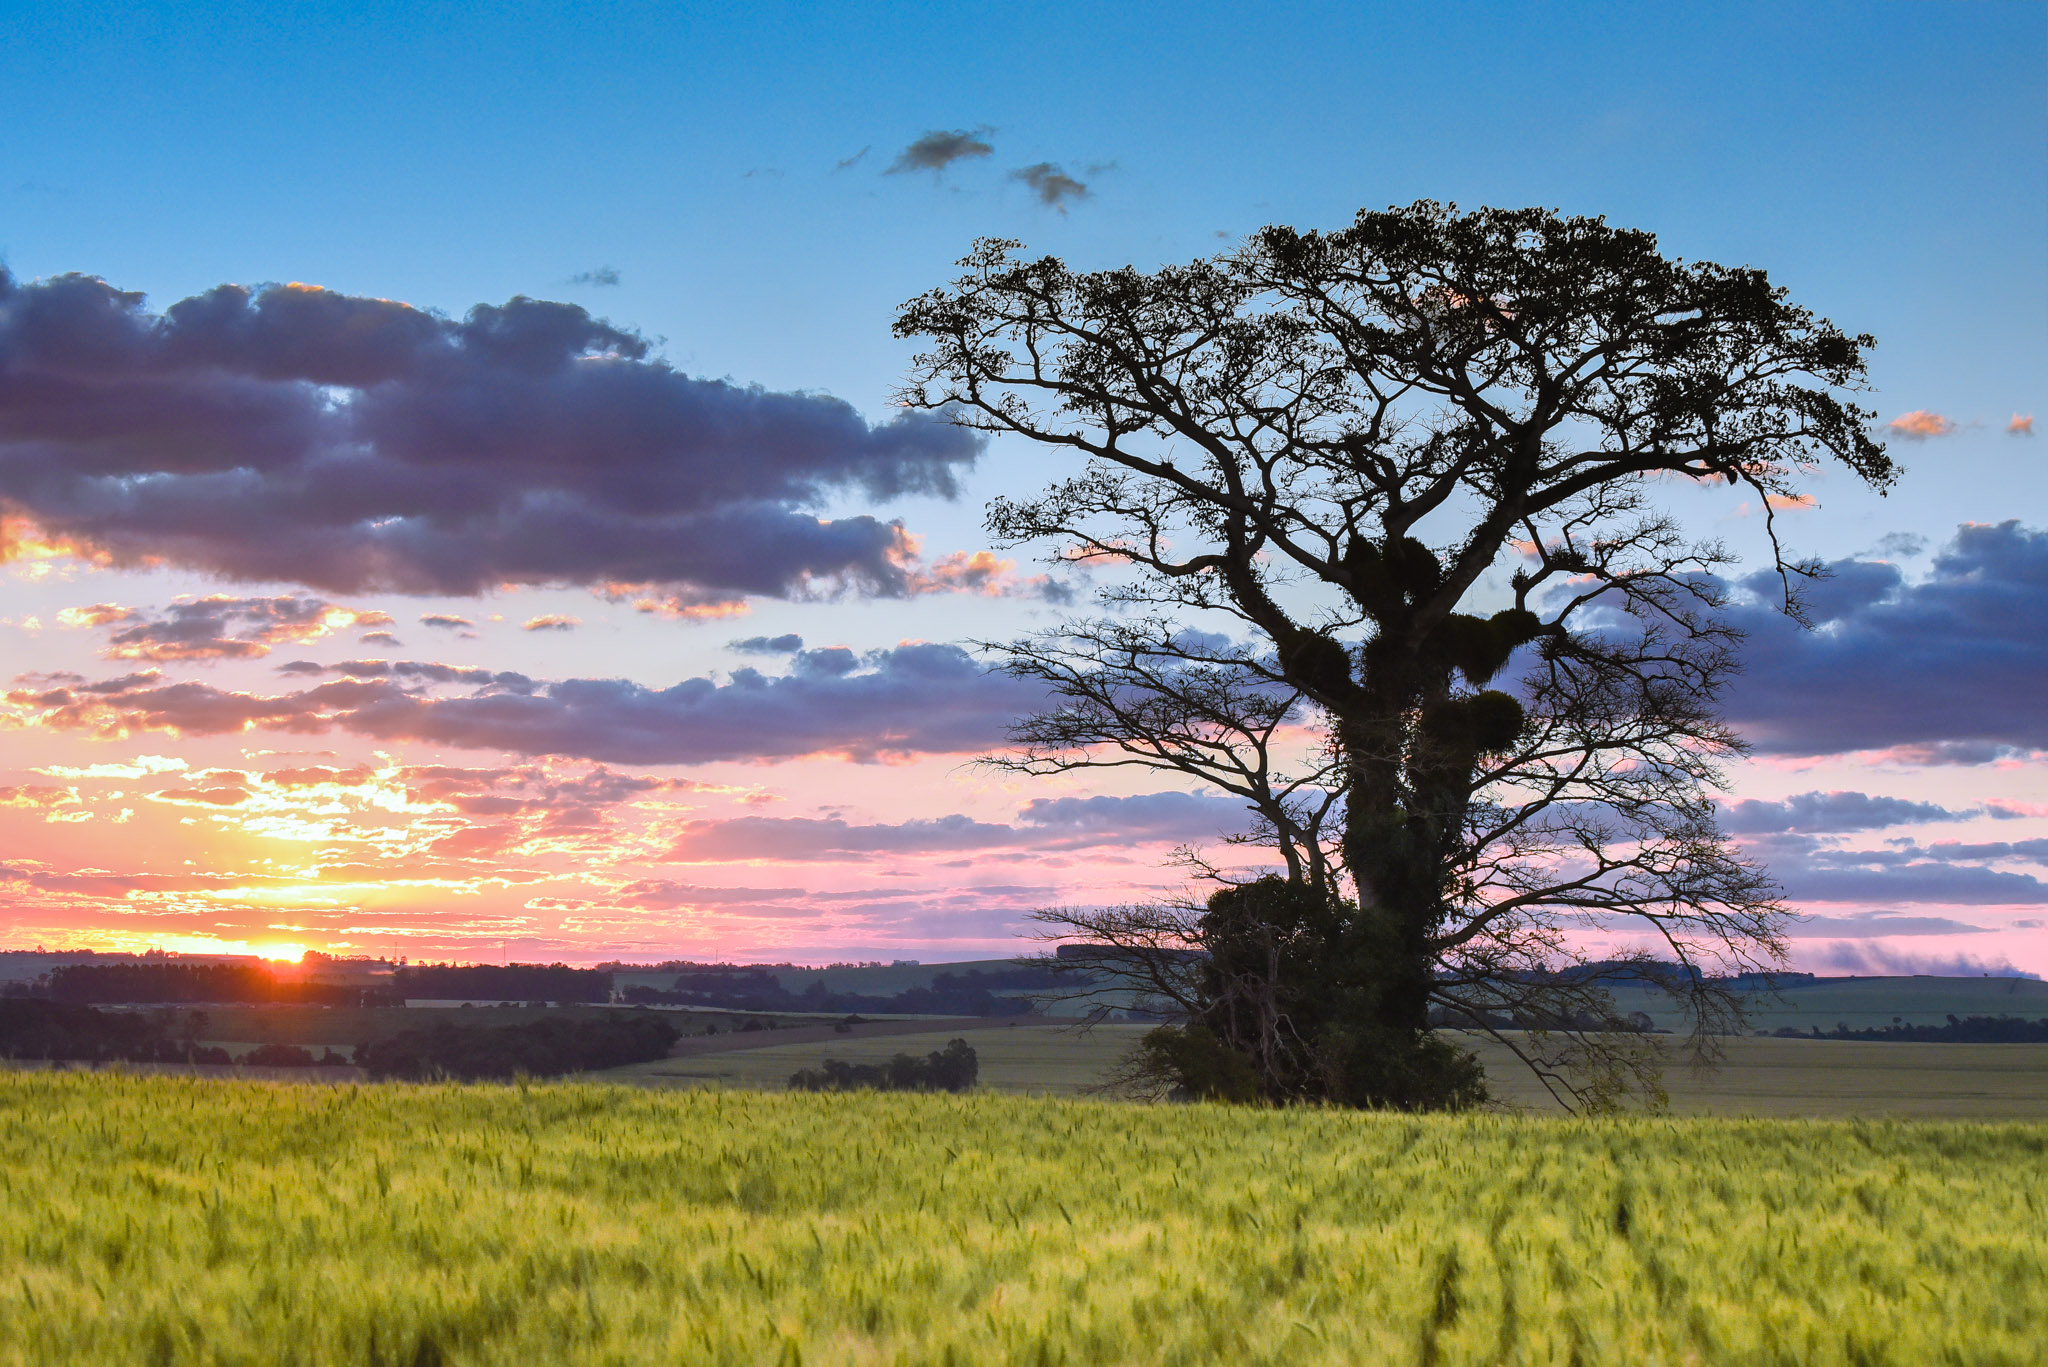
(1029, 1059)
(168, 1220)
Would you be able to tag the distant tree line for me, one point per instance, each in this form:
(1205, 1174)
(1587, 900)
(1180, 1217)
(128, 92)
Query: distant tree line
(503, 982)
(115, 984)
(257, 984)
(1967, 1030)
(734, 988)
(542, 1048)
(953, 1069)
(40, 1029)
(36, 1028)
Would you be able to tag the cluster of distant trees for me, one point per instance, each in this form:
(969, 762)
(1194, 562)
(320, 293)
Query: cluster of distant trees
(112, 984)
(1635, 1022)
(33, 1029)
(733, 988)
(1967, 1030)
(952, 1069)
(503, 982)
(542, 1048)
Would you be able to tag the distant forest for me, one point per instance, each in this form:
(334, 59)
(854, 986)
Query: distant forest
(114, 984)
(33, 1028)
(1967, 1030)
(90, 984)
(734, 988)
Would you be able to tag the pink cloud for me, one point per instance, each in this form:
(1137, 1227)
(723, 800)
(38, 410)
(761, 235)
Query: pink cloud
(2022, 425)
(1920, 424)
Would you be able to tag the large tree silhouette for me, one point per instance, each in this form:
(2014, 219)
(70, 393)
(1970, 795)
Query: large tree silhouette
(1319, 443)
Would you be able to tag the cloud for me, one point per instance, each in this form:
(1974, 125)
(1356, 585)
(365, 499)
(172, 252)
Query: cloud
(914, 699)
(602, 276)
(218, 627)
(848, 163)
(2005, 809)
(1833, 811)
(446, 621)
(1053, 187)
(1919, 883)
(938, 149)
(36, 796)
(808, 838)
(551, 622)
(1877, 926)
(1882, 961)
(2022, 425)
(349, 443)
(1919, 425)
(982, 573)
(767, 645)
(1066, 823)
(1181, 817)
(1945, 669)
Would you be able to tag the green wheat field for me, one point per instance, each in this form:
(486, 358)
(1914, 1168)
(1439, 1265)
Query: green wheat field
(180, 1220)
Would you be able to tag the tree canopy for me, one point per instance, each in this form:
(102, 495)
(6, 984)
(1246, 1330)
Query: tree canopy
(1307, 454)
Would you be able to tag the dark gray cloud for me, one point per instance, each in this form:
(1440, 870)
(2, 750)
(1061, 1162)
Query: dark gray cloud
(914, 699)
(1836, 811)
(218, 627)
(940, 148)
(1052, 186)
(767, 645)
(347, 443)
(1946, 669)
(446, 621)
(601, 277)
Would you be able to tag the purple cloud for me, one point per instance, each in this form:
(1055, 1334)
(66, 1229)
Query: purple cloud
(915, 699)
(1064, 823)
(1946, 669)
(1836, 811)
(217, 627)
(299, 434)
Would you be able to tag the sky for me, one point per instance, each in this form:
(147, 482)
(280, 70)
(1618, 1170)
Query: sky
(364, 617)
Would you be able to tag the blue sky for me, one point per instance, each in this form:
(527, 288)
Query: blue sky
(728, 165)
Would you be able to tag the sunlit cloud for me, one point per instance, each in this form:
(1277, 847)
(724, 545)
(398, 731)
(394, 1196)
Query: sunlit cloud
(551, 622)
(1919, 424)
(2022, 425)
(217, 627)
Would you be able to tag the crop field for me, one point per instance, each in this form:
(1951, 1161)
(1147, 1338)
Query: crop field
(171, 1220)
(1758, 1077)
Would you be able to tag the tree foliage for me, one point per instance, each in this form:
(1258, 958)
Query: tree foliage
(1306, 456)
(953, 1069)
